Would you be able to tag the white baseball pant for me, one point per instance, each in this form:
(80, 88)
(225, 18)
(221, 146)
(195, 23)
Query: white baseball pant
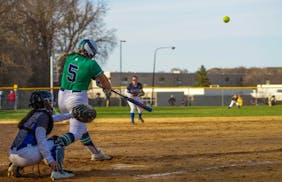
(28, 156)
(133, 106)
(68, 99)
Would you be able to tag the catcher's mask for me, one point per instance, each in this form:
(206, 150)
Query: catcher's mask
(41, 99)
(88, 47)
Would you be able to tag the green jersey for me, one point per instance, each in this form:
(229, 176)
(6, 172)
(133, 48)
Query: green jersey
(78, 72)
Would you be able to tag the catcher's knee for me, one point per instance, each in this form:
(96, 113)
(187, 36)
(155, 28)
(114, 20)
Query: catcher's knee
(66, 139)
(84, 113)
(86, 140)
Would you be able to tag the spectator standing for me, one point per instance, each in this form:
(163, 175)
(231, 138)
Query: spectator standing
(272, 100)
(99, 99)
(108, 96)
(184, 101)
(12, 99)
(172, 100)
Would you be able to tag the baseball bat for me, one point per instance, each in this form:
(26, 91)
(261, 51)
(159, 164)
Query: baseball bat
(147, 108)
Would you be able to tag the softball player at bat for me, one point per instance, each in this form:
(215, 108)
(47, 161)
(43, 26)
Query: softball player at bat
(79, 69)
(135, 91)
(31, 146)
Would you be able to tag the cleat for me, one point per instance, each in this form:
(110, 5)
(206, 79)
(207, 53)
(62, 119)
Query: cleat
(100, 156)
(141, 119)
(15, 171)
(61, 174)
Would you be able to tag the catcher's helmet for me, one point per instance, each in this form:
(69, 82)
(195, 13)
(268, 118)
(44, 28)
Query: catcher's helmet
(41, 99)
(89, 47)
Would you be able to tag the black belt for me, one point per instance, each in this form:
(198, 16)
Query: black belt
(62, 89)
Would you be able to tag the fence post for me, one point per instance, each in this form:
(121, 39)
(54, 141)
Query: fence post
(51, 78)
(222, 97)
(16, 93)
(1, 100)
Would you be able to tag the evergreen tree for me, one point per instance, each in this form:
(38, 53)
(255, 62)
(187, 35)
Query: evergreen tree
(201, 77)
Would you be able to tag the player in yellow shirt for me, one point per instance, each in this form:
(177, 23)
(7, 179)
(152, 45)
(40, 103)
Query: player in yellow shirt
(237, 100)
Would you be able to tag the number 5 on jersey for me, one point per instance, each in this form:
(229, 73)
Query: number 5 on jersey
(72, 73)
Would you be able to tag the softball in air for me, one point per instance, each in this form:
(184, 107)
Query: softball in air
(226, 19)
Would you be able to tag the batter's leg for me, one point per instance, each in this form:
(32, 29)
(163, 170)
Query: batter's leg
(97, 154)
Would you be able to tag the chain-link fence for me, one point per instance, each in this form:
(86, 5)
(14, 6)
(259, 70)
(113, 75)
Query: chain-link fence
(96, 98)
(21, 98)
(196, 96)
(183, 96)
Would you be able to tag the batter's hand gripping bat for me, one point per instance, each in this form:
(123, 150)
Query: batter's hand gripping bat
(134, 101)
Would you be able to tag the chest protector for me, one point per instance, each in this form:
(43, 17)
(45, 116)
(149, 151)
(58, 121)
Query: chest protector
(30, 126)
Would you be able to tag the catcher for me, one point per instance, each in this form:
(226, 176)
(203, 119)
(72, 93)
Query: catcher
(31, 145)
(78, 71)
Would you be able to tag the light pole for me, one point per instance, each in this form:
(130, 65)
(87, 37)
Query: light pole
(120, 65)
(120, 59)
(154, 67)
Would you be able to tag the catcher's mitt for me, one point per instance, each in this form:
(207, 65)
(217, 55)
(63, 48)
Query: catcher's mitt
(84, 113)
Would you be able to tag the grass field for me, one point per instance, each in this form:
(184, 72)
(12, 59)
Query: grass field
(164, 112)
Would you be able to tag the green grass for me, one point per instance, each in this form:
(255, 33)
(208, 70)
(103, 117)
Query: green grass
(12, 115)
(194, 111)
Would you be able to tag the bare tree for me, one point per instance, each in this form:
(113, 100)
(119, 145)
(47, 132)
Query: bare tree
(253, 76)
(86, 22)
(256, 76)
(11, 70)
(35, 29)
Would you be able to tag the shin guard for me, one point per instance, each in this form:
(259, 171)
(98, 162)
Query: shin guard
(66, 139)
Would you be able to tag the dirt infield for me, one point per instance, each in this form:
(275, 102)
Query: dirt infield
(170, 149)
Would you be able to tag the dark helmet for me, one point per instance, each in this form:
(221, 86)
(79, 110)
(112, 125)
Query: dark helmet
(41, 99)
(89, 47)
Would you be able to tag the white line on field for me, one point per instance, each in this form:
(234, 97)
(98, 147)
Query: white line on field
(127, 166)
(3, 164)
(161, 174)
(245, 164)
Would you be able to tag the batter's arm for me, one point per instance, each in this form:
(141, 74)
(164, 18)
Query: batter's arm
(103, 80)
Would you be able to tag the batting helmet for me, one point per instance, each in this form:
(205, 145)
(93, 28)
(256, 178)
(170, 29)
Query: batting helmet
(89, 47)
(41, 99)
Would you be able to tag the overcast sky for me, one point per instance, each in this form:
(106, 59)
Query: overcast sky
(253, 37)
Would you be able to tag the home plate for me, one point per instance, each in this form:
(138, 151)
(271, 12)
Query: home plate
(127, 166)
